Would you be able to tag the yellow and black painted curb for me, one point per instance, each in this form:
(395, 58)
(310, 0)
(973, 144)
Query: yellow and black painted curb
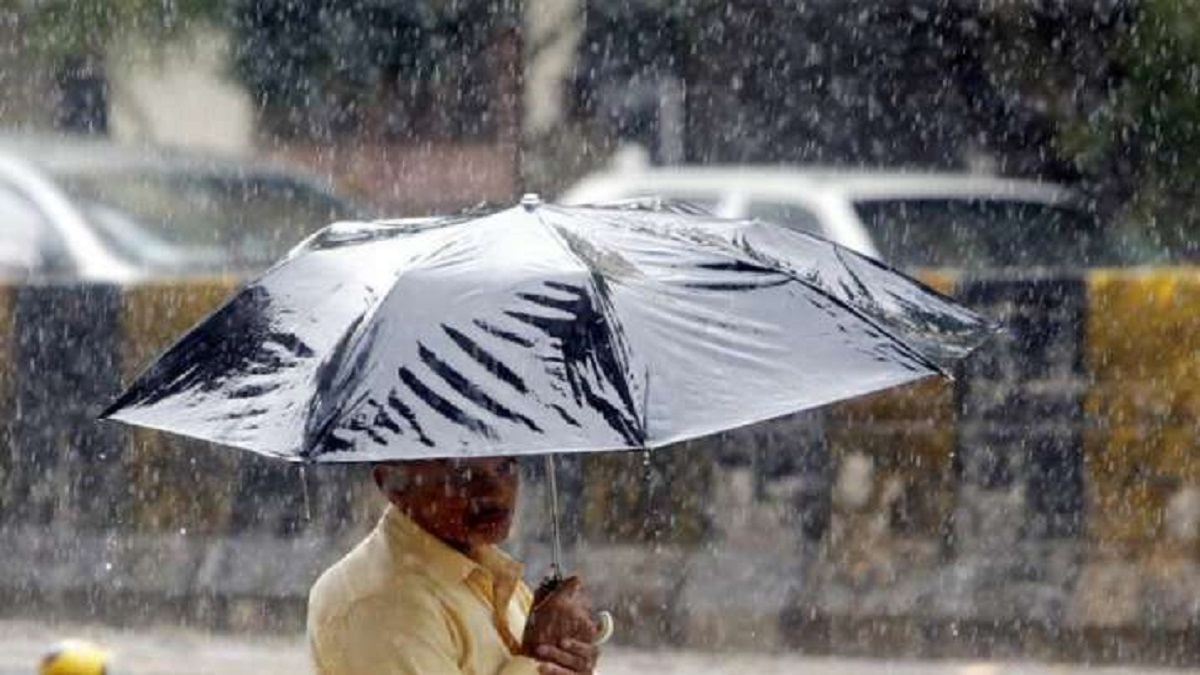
(1088, 401)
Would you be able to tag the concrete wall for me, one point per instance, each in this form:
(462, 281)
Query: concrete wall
(1046, 503)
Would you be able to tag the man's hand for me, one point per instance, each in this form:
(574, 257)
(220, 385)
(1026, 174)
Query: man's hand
(560, 630)
(571, 658)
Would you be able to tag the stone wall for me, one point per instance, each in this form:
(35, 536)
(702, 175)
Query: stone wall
(1045, 503)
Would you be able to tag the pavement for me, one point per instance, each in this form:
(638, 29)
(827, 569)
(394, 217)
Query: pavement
(176, 651)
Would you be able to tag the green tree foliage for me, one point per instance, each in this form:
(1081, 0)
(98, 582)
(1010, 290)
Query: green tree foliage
(322, 68)
(58, 29)
(1146, 133)
(915, 83)
(71, 41)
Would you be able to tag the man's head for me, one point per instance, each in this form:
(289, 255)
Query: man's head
(464, 502)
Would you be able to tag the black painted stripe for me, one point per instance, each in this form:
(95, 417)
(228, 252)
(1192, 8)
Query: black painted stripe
(1020, 398)
(67, 359)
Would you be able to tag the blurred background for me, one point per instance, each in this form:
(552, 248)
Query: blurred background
(1038, 160)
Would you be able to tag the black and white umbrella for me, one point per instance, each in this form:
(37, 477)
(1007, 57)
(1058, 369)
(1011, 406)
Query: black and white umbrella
(542, 329)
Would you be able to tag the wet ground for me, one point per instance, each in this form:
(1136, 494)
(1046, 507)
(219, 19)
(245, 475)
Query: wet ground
(181, 652)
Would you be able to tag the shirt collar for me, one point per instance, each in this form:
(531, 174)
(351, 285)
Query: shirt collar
(412, 546)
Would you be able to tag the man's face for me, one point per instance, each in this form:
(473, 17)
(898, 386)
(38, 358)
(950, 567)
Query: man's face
(464, 502)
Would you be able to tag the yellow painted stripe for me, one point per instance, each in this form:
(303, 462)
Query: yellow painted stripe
(929, 401)
(178, 483)
(1143, 440)
(940, 280)
(911, 482)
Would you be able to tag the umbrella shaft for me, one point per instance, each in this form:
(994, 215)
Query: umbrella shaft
(552, 483)
(304, 489)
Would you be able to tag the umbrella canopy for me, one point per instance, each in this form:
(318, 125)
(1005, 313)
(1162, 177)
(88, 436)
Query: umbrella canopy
(542, 329)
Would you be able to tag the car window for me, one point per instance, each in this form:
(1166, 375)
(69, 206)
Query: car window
(989, 233)
(179, 220)
(789, 215)
(28, 242)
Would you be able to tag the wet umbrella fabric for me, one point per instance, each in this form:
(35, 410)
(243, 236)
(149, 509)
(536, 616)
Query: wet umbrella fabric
(542, 329)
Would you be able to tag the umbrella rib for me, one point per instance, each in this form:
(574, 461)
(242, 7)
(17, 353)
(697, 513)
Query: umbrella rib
(739, 253)
(321, 428)
(928, 361)
(860, 314)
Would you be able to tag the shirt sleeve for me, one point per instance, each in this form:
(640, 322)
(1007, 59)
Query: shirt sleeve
(413, 637)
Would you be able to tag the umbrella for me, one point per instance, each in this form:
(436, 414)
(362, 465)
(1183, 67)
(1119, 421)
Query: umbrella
(542, 329)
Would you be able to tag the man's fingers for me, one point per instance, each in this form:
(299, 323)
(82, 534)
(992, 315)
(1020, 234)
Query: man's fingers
(585, 650)
(554, 669)
(567, 659)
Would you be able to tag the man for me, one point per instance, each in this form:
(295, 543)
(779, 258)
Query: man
(428, 591)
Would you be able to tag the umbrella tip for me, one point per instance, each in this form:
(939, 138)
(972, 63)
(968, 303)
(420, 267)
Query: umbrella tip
(530, 200)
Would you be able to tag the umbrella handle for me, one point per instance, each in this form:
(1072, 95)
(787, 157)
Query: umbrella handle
(605, 619)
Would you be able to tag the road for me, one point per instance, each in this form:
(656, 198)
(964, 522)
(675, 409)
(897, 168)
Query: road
(182, 652)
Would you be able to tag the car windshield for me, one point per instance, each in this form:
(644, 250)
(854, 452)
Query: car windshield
(193, 220)
(992, 233)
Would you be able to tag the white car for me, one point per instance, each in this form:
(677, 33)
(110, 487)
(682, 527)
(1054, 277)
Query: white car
(98, 211)
(908, 219)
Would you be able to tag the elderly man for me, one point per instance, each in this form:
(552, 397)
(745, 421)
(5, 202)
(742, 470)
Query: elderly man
(428, 591)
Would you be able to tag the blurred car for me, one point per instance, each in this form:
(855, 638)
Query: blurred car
(908, 219)
(99, 211)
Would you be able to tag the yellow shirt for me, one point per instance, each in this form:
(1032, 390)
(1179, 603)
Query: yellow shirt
(403, 602)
